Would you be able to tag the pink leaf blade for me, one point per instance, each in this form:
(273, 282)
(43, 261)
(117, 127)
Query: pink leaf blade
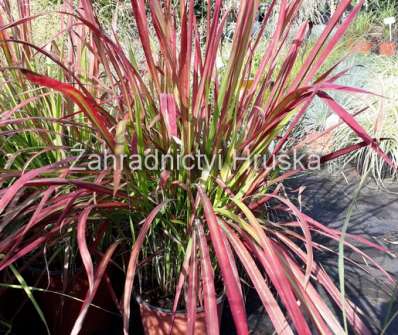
(181, 280)
(210, 299)
(168, 109)
(90, 296)
(86, 104)
(192, 290)
(355, 126)
(270, 304)
(83, 248)
(232, 287)
(11, 191)
(128, 288)
(139, 10)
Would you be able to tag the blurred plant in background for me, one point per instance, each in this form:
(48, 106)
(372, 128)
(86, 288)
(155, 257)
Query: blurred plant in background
(362, 26)
(375, 74)
(380, 120)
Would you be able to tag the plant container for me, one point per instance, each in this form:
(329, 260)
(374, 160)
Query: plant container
(362, 47)
(16, 310)
(388, 49)
(158, 321)
(62, 312)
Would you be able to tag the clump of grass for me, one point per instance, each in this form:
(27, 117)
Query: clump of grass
(195, 226)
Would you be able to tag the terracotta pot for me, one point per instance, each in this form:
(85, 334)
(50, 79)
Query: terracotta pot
(362, 47)
(158, 321)
(388, 49)
(15, 308)
(61, 313)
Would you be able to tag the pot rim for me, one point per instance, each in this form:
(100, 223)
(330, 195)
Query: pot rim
(149, 306)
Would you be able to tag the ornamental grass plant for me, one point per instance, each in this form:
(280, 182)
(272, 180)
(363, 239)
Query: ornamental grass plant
(85, 94)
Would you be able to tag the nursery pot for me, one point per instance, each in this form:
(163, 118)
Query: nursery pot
(15, 308)
(62, 312)
(158, 321)
(362, 47)
(388, 49)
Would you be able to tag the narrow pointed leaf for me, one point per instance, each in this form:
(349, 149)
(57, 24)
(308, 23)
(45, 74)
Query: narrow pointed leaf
(232, 287)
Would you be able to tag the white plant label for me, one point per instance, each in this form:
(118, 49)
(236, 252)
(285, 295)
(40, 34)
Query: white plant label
(389, 21)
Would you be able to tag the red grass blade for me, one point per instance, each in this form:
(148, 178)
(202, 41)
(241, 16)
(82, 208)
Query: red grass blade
(317, 308)
(321, 42)
(268, 256)
(270, 304)
(232, 287)
(11, 191)
(141, 20)
(327, 50)
(342, 152)
(128, 288)
(355, 126)
(168, 108)
(192, 290)
(207, 276)
(181, 281)
(186, 51)
(307, 234)
(90, 295)
(27, 249)
(83, 249)
(78, 183)
(85, 103)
